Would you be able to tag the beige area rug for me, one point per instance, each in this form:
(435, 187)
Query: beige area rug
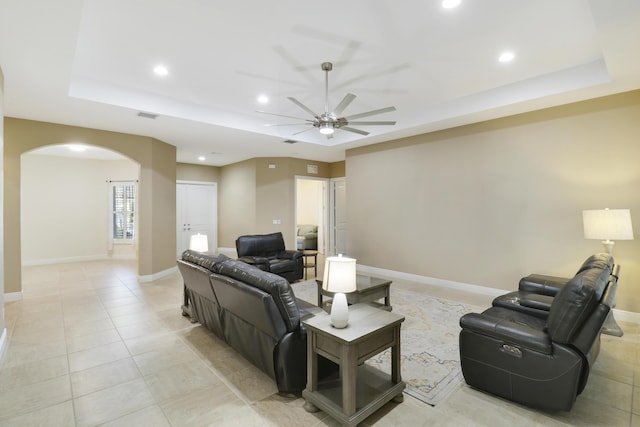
(429, 341)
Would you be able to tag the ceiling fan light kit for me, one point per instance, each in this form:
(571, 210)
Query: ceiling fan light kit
(326, 129)
(328, 122)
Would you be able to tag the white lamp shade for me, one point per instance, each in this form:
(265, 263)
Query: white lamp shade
(607, 224)
(199, 243)
(339, 274)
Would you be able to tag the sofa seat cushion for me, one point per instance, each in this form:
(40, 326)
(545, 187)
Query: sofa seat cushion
(278, 266)
(276, 286)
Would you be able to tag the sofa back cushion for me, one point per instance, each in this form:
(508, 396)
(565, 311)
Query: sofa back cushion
(600, 260)
(203, 260)
(265, 245)
(270, 283)
(576, 301)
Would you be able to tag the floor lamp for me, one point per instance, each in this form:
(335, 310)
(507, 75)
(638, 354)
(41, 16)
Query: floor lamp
(608, 225)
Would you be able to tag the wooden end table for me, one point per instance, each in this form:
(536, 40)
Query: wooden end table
(368, 289)
(362, 389)
(310, 261)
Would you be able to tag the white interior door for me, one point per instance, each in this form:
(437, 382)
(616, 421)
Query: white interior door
(338, 216)
(196, 212)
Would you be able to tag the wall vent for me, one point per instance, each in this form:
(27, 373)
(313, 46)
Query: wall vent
(147, 115)
(289, 141)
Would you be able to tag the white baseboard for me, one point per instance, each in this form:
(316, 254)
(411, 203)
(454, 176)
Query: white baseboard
(4, 343)
(12, 296)
(476, 289)
(83, 258)
(626, 316)
(621, 315)
(65, 260)
(158, 275)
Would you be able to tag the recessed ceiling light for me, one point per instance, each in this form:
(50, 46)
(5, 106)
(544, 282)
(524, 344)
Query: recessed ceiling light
(77, 147)
(161, 70)
(450, 4)
(506, 57)
(202, 158)
(263, 99)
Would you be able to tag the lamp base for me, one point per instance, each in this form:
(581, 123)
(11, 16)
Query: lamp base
(608, 246)
(339, 311)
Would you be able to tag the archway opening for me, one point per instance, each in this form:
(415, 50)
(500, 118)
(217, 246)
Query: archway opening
(67, 204)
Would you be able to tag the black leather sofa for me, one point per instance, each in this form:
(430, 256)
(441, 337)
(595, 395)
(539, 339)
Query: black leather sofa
(268, 253)
(254, 311)
(540, 357)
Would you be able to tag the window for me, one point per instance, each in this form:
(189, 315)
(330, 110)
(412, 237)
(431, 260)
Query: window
(123, 202)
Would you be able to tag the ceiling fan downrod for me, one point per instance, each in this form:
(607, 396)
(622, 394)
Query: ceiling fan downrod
(326, 67)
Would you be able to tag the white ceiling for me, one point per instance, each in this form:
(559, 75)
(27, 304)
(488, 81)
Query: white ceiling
(89, 63)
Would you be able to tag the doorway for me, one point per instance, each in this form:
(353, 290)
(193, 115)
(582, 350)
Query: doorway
(311, 210)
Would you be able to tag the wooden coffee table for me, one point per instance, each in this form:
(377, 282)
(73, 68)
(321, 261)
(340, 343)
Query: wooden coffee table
(368, 289)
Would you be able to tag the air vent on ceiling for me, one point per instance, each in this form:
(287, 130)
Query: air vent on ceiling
(147, 115)
(289, 141)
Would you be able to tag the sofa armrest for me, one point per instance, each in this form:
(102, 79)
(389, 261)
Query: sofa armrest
(541, 284)
(504, 329)
(257, 261)
(289, 255)
(539, 302)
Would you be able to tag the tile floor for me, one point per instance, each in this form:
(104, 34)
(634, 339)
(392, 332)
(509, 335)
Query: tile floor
(89, 345)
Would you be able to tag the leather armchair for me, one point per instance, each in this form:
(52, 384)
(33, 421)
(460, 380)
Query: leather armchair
(536, 291)
(268, 253)
(542, 362)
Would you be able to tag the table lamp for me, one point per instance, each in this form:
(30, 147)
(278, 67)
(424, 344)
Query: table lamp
(607, 225)
(199, 243)
(339, 278)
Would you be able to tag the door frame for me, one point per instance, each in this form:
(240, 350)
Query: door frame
(333, 245)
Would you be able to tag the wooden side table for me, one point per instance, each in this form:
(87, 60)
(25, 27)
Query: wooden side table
(362, 389)
(310, 261)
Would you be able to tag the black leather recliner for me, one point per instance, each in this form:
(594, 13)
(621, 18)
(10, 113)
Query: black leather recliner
(268, 253)
(536, 291)
(540, 361)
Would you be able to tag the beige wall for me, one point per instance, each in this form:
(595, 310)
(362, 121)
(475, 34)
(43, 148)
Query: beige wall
(486, 204)
(337, 169)
(309, 201)
(157, 189)
(252, 195)
(236, 202)
(189, 172)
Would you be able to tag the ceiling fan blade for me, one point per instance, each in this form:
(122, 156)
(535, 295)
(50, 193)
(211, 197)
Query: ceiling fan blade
(306, 130)
(301, 105)
(358, 131)
(348, 98)
(282, 115)
(370, 113)
(372, 123)
(285, 124)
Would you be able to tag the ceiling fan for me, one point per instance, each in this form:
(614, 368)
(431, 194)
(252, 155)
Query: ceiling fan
(328, 122)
